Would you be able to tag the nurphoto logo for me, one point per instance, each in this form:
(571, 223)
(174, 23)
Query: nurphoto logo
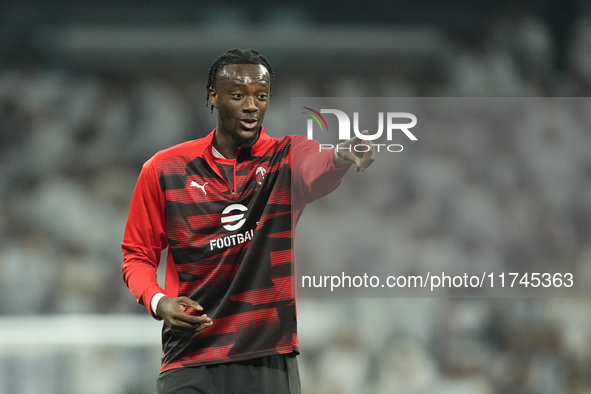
(392, 125)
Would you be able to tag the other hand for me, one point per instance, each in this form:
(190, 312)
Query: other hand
(172, 311)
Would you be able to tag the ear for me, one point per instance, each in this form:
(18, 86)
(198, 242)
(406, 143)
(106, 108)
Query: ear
(213, 97)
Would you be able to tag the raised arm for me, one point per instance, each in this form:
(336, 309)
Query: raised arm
(316, 171)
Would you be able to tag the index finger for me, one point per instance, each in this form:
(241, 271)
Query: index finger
(369, 156)
(366, 155)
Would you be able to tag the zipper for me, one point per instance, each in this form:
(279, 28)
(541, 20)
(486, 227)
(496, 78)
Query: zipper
(234, 173)
(215, 169)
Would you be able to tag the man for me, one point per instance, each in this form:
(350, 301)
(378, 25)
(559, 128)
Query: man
(223, 205)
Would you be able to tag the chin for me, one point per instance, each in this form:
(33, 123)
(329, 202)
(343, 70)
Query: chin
(245, 142)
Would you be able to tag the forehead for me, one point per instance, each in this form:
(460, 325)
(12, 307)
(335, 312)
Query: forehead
(242, 74)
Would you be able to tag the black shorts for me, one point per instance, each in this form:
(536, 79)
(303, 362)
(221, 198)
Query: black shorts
(277, 374)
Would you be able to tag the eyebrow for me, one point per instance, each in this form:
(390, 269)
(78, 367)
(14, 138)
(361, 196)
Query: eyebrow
(258, 83)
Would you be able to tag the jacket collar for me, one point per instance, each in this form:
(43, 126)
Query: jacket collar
(259, 148)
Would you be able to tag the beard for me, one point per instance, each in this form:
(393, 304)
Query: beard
(243, 142)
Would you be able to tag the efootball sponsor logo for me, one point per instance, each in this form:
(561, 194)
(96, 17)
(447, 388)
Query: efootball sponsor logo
(396, 122)
(233, 218)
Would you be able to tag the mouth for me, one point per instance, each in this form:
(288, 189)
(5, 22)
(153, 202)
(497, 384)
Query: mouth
(248, 124)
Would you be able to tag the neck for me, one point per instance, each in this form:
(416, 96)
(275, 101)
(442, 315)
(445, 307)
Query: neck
(225, 145)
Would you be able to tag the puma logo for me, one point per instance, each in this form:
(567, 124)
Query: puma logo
(202, 187)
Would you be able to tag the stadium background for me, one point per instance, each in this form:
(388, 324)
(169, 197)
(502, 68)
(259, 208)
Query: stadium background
(88, 92)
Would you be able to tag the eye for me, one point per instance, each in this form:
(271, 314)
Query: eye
(263, 96)
(237, 95)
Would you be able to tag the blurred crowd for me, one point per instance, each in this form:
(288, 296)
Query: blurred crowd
(72, 145)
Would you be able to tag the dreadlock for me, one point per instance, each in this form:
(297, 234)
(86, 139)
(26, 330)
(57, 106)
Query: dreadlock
(230, 57)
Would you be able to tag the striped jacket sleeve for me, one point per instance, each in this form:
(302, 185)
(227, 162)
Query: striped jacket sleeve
(145, 236)
(314, 174)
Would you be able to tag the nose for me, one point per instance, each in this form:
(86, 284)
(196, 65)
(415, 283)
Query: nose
(250, 105)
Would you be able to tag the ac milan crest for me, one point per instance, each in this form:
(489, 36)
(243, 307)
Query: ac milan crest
(260, 175)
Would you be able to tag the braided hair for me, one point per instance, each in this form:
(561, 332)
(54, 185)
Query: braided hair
(230, 57)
